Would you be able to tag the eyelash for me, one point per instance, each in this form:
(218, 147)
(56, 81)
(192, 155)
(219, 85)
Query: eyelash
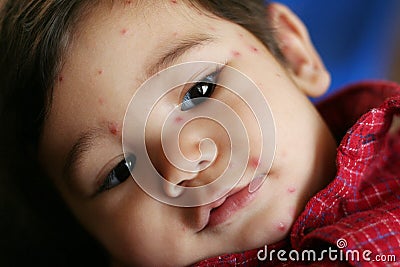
(200, 91)
(124, 168)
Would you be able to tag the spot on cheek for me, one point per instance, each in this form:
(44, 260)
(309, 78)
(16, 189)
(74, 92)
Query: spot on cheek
(254, 162)
(60, 78)
(128, 2)
(212, 28)
(124, 32)
(236, 53)
(174, 1)
(113, 128)
(101, 101)
(178, 119)
(241, 35)
(100, 72)
(291, 190)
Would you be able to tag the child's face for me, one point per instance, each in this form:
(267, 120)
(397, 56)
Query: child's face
(104, 67)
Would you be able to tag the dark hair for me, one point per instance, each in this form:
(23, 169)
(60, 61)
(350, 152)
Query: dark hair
(34, 38)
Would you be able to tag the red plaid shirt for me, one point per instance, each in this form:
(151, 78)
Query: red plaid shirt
(359, 211)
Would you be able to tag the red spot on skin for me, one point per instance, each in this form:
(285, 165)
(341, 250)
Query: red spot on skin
(124, 31)
(236, 53)
(100, 72)
(178, 119)
(174, 1)
(60, 78)
(212, 28)
(241, 35)
(281, 227)
(101, 101)
(113, 127)
(291, 190)
(254, 162)
(128, 2)
(254, 49)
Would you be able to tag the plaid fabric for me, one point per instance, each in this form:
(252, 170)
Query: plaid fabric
(359, 211)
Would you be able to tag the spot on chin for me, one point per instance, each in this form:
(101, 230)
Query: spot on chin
(291, 189)
(281, 227)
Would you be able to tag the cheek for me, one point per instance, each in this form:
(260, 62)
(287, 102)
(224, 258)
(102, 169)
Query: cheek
(136, 228)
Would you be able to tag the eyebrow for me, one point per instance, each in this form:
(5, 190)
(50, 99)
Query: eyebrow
(171, 55)
(175, 51)
(81, 147)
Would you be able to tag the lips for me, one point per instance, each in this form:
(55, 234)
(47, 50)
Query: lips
(220, 211)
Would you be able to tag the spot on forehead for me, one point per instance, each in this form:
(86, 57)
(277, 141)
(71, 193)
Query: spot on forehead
(254, 49)
(236, 53)
(113, 127)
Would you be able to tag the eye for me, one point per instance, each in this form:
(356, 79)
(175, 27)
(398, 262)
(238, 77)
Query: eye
(119, 174)
(199, 92)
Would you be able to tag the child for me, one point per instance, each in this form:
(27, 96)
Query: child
(74, 66)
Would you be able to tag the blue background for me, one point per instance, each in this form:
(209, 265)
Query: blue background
(355, 38)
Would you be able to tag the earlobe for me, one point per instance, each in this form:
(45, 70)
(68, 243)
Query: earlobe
(303, 61)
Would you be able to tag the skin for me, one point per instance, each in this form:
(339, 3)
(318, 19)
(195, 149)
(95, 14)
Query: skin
(103, 69)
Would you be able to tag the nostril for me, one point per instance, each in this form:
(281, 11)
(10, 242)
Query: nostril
(173, 190)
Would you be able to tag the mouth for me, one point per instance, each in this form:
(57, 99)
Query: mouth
(220, 211)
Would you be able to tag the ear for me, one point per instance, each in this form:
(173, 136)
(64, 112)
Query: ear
(305, 65)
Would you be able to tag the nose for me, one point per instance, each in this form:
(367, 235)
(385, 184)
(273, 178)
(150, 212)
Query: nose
(190, 166)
